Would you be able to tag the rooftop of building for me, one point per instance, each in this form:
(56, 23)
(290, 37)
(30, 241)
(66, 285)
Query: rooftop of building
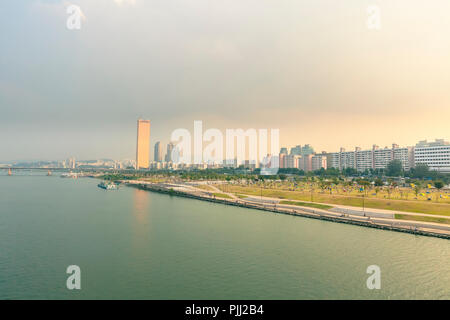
(436, 143)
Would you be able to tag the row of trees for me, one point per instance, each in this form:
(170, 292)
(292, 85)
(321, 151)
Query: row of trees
(393, 169)
(420, 171)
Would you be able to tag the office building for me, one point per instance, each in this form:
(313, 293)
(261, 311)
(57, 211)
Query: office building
(158, 154)
(170, 147)
(143, 144)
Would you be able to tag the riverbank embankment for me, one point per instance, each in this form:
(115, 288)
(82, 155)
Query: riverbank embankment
(412, 227)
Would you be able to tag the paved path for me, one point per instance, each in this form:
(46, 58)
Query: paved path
(372, 212)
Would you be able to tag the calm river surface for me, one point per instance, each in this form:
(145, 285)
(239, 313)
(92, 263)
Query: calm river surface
(134, 244)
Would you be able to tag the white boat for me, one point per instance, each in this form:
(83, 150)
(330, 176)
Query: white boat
(107, 185)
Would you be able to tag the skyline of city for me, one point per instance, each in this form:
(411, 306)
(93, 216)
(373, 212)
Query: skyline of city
(152, 148)
(157, 137)
(346, 86)
(436, 155)
(117, 152)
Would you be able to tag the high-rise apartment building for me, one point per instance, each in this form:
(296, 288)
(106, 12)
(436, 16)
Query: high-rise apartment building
(333, 160)
(364, 159)
(158, 154)
(305, 163)
(318, 162)
(346, 159)
(303, 158)
(143, 144)
(306, 150)
(382, 157)
(282, 159)
(297, 150)
(292, 160)
(404, 155)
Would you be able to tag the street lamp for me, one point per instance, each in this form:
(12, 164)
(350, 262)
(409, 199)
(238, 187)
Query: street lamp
(261, 191)
(363, 204)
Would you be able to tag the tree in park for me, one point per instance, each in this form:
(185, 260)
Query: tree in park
(378, 182)
(438, 185)
(394, 168)
(417, 189)
(421, 171)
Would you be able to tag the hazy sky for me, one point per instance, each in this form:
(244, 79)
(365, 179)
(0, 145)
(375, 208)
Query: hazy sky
(313, 69)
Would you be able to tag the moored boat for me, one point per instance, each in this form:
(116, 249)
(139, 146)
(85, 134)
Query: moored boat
(107, 185)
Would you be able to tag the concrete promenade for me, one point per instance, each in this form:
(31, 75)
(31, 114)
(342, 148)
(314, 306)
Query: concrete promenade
(375, 219)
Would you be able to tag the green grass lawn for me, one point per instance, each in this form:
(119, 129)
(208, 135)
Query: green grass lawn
(307, 204)
(397, 205)
(422, 218)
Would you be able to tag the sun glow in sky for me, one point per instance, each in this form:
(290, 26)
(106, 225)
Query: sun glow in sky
(313, 69)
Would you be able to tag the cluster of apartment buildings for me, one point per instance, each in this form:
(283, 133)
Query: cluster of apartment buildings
(303, 158)
(375, 158)
(436, 155)
(69, 163)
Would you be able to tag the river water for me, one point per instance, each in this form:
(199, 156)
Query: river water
(134, 244)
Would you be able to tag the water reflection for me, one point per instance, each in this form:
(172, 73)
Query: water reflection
(141, 205)
(141, 217)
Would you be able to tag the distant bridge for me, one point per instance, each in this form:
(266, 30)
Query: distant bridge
(35, 168)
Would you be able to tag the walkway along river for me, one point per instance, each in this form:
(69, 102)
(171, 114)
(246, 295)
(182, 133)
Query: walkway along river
(414, 227)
